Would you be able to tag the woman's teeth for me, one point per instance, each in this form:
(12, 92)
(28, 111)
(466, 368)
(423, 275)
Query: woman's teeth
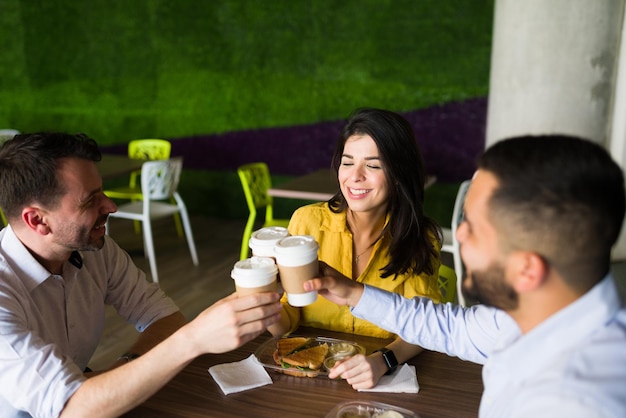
(359, 191)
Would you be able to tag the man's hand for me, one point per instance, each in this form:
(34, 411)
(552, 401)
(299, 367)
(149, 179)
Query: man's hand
(233, 321)
(335, 287)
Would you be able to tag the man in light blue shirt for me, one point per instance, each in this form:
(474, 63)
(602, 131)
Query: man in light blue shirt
(541, 217)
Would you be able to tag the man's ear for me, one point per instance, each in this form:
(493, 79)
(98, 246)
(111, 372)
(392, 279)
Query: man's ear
(34, 220)
(528, 270)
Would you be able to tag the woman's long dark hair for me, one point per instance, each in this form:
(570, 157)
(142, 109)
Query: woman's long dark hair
(410, 231)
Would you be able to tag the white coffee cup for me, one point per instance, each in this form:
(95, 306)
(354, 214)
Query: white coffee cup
(262, 242)
(255, 275)
(296, 257)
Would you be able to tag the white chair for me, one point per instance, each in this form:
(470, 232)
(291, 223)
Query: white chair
(450, 243)
(159, 182)
(6, 134)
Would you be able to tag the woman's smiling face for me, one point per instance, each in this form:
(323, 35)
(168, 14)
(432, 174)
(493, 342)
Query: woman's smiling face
(361, 175)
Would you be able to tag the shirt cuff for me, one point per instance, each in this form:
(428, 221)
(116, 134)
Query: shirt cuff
(373, 303)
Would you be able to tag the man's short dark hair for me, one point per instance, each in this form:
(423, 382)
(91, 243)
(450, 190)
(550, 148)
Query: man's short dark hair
(560, 196)
(28, 167)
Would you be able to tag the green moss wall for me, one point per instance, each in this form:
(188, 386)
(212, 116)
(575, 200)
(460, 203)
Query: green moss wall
(119, 70)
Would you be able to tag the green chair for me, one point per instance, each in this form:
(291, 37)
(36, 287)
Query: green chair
(255, 180)
(447, 283)
(143, 149)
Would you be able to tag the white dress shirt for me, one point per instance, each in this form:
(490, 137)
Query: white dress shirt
(50, 325)
(573, 364)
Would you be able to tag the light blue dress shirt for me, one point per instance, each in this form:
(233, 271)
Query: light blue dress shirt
(50, 325)
(573, 364)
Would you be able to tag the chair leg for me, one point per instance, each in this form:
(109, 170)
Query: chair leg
(148, 244)
(189, 234)
(177, 221)
(247, 233)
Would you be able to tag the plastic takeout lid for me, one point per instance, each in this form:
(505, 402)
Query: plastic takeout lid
(254, 271)
(369, 409)
(268, 236)
(296, 250)
(262, 242)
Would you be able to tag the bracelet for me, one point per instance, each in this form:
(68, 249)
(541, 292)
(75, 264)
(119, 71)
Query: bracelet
(129, 357)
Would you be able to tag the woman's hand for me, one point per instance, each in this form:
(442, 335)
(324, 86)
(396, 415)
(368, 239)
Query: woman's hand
(335, 287)
(361, 372)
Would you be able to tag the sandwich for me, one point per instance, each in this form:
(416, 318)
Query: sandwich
(286, 346)
(299, 357)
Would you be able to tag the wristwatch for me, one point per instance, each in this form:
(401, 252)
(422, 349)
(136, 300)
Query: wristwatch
(390, 359)
(129, 357)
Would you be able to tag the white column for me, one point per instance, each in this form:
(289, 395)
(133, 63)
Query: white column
(617, 137)
(554, 70)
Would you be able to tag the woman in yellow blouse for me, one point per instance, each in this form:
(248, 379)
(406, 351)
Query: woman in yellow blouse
(374, 231)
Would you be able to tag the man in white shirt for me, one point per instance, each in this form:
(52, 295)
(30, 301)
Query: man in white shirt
(58, 270)
(541, 217)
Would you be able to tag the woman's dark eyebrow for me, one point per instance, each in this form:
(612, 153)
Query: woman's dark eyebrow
(367, 158)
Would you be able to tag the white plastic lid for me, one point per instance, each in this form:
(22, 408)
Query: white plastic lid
(262, 242)
(296, 250)
(254, 272)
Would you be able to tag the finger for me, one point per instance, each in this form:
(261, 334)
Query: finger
(313, 284)
(257, 299)
(260, 313)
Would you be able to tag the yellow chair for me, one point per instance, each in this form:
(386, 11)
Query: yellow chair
(143, 149)
(4, 219)
(255, 180)
(447, 283)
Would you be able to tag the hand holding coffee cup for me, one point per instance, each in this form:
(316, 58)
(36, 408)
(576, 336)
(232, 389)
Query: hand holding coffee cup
(255, 275)
(296, 257)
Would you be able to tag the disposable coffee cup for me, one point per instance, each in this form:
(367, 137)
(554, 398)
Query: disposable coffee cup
(262, 242)
(296, 257)
(255, 275)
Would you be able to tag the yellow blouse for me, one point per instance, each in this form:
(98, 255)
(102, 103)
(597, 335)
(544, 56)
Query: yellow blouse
(335, 240)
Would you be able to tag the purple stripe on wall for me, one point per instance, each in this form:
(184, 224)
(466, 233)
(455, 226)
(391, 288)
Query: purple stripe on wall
(451, 136)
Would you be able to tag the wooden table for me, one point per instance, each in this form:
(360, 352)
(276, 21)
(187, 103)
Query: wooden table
(449, 387)
(112, 166)
(319, 185)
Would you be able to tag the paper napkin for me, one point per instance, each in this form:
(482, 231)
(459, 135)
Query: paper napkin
(241, 375)
(403, 380)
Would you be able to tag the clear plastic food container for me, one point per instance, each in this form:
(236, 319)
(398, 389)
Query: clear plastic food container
(356, 409)
(337, 349)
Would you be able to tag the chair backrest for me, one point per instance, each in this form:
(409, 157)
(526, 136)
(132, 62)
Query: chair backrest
(447, 283)
(457, 218)
(149, 149)
(6, 134)
(255, 180)
(160, 178)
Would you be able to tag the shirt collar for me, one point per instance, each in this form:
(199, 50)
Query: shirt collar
(336, 222)
(22, 262)
(566, 328)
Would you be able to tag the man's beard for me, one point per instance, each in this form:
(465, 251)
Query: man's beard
(489, 288)
(78, 239)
